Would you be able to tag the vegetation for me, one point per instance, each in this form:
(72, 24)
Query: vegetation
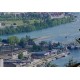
(13, 40)
(36, 48)
(20, 56)
(29, 22)
(27, 42)
(23, 42)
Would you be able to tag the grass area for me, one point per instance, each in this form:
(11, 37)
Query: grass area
(33, 20)
(18, 22)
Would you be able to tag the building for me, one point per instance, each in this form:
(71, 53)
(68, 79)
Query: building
(38, 55)
(14, 55)
(1, 43)
(9, 48)
(25, 53)
(54, 15)
(9, 64)
(1, 62)
(15, 63)
(54, 51)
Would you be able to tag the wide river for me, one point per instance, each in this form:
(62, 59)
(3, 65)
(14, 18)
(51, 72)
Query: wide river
(58, 33)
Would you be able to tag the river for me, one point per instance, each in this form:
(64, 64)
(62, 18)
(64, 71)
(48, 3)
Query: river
(58, 33)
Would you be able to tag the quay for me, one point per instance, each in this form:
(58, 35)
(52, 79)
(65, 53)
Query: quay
(49, 58)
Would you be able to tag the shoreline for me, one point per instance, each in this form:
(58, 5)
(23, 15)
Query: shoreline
(12, 34)
(45, 60)
(42, 38)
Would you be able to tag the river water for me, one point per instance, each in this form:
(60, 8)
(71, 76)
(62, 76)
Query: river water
(58, 33)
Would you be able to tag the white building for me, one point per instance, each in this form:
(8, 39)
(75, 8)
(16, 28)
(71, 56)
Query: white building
(1, 62)
(14, 56)
(25, 53)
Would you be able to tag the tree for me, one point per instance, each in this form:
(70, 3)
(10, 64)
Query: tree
(20, 56)
(31, 42)
(31, 22)
(13, 40)
(50, 45)
(36, 48)
(27, 38)
(43, 43)
(22, 42)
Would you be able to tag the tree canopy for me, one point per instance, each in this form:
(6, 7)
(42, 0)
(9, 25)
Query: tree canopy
(13, 40)
(20, 56)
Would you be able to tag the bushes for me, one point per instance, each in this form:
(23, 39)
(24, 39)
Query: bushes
(13, 40)
(20, 56)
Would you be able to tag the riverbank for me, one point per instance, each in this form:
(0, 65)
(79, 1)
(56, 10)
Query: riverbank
(43, 61)
(42, 38)
(33, 24)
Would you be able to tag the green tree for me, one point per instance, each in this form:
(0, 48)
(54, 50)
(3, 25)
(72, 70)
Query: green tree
(20, 56)
(13, 40)
(50, 45)
(36, 48)
(27, 38)
(22, 42)
(43, 43)
(31, 22)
